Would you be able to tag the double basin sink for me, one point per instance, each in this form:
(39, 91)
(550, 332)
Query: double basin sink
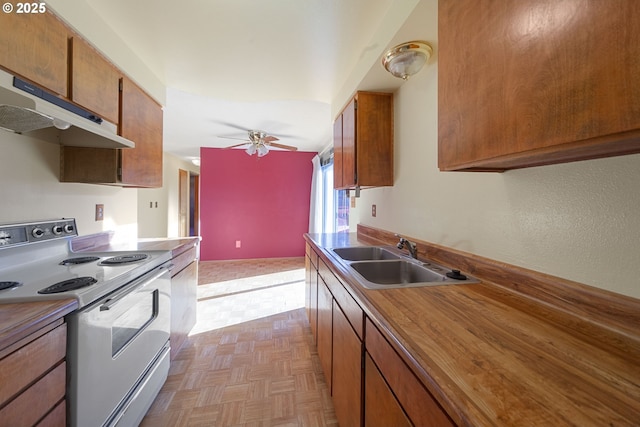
(385, 267)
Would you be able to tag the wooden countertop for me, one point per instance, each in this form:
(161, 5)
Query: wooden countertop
(494, 357)
(19, 320)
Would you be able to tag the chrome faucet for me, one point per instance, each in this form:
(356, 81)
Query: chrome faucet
(413, 249)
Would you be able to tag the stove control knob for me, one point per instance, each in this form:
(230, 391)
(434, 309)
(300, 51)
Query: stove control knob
(37, 232)
(69, 228)
(57, 230)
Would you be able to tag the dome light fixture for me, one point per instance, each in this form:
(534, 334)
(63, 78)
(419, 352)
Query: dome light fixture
(407, 59)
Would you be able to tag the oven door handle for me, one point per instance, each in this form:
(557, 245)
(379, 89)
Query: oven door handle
(144, 281)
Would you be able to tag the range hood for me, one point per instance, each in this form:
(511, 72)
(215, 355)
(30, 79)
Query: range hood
(29, 110)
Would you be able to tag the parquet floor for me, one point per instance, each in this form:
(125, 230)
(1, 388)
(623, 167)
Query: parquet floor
(249, 360)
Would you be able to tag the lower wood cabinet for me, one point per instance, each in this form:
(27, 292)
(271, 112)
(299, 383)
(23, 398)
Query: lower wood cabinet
(346, 386)
(33, 380)
(325, 330)
(311, 295)
(410, 395)
(381, 409)
(370, 383)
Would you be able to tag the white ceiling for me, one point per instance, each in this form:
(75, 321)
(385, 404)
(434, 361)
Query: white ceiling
(235, 65)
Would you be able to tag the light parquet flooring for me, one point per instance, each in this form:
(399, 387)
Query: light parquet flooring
(250, 359)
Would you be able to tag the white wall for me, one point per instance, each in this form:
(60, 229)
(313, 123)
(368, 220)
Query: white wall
(579, 221)
(30, 190)
(163, 221)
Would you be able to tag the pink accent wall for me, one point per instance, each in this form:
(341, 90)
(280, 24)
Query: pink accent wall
(262, 202)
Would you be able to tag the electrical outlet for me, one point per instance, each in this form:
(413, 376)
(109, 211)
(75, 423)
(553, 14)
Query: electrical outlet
(238, 244)
(373, 210)
(99, 212)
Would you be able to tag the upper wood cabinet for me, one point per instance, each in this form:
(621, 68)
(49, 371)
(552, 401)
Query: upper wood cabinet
(94, 81)
(140, 121)
(363, 142)
(531, 82)
(34, 46)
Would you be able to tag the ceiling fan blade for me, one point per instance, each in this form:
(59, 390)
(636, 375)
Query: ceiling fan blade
(284, 147)
(238, 145)
(270, 138)
(231, 137)
(231, 125)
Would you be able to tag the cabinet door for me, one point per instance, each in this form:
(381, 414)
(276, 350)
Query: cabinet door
(381, 409)
(311, 296)
(420, 406)
(325, 330)
(347, 371)
(34, 46)
(373, 139)
(338, 181)
(141, 122)
(531, 82)
(349, 167)
(94, 81)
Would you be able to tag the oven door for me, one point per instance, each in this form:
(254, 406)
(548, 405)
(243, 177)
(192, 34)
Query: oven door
(113, 343)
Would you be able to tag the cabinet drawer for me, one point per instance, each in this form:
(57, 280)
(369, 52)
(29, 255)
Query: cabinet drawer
(414, 398)
(27, 364)
(37, 400)
(57, 417)
(351, 309)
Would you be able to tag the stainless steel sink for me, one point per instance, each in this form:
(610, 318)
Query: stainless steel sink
(396, 272)
(385, 267)
(360, 253)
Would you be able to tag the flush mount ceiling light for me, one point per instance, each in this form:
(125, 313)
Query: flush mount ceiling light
(407, 59)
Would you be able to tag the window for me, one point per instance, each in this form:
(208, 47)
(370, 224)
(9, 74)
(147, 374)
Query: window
(335, 204)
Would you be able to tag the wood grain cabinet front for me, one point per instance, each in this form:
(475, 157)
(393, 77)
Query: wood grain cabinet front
(33, 379)
(325, 330)
(381, 409)
(311, 293)
(363, 142)
(346, 384)
(532, 82)
(410, 394)
(141, 122)
(34, 46)
(95, 83)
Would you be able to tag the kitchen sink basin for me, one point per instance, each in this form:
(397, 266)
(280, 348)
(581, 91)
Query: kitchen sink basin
(378, 267)
(361, 253)
(396, 272)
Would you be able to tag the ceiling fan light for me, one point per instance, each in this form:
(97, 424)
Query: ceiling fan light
(262, 150)
(251, 150)
(407, 59)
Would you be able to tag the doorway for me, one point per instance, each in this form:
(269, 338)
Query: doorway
(189, 203)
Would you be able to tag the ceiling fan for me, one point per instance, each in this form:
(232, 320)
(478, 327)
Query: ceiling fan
(260, 143)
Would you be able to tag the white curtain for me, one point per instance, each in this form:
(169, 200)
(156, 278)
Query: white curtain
(315, 206)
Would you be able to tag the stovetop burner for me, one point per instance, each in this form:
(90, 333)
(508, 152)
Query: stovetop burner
(124, 259)
(79, 260)
(9, 285)
(68, 285)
